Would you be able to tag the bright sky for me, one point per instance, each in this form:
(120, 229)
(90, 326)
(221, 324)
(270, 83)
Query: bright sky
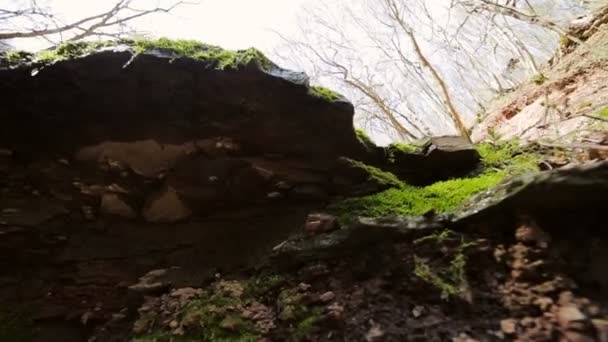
(232, 24)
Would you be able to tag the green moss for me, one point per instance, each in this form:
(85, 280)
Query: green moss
(217, 314)
(410, 200)
(500, 160)
(448, 273)
(308, 321)
(510, 157)
(70, 50)
(538, 79)
(291, 308)
(324, 93)
(585, 104)
(403, 147)
(383, 178)
(365, 139)
(262, 284)
(17, 57)
(603, 113)
(220, 58)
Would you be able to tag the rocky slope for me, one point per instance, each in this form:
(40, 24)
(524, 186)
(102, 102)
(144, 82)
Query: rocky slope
(173, 191)
(565, 104)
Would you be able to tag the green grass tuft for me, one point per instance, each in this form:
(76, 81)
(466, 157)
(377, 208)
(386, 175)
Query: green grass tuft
(538, 79)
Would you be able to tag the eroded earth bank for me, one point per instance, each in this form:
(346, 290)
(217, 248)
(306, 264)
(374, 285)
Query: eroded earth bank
(172, 191)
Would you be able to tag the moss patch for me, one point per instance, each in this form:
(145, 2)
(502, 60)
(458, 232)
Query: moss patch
(291, 308)
(447, 273)
(382, 178)
(365, 139)
(404, 148)
(538, 79)
(218, 57)
(500, 160)
(324, 93)
(603, 113)
(410, 200)
(510, 157)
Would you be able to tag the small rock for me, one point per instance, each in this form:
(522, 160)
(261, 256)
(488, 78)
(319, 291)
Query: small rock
(508, 326)
(530, 233)
(173, 324)
(112, 204)
(308, 192)
(335, 312)
(544, 303)
(283, 185)
(118, 317)
(566, 315)
(166, 208)
(327, 297)
(318, 223)
(274, 195)
(575, 336)
(375, 333)
(303, 287)
(417, 311)
(565, 298)
(601, 326)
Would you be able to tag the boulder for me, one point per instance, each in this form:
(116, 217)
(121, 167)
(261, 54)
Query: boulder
(115, 95)
(166, 207)
(438, 158)
(114, 205)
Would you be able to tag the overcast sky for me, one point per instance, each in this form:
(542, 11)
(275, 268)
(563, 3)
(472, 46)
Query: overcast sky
(232, 24)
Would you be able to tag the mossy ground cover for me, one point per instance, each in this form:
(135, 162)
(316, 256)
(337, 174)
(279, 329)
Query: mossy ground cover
(500, 161)
(229, 310)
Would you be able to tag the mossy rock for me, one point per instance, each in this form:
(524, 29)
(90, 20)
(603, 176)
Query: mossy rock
(220, 58)
(325, 93)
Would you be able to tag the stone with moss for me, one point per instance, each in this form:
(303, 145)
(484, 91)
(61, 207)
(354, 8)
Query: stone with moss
(366, 178)
(499, 161)
(220, 58)
(292, 307)
(215, 314)
(365, 139)
(603, 113)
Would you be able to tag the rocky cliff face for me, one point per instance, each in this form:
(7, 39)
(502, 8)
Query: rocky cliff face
(568, 102)
(174, 191)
